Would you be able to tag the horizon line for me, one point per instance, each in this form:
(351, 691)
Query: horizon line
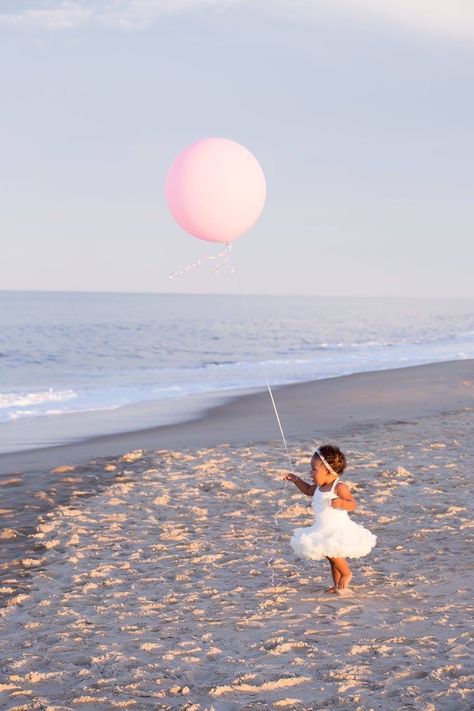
(237, 293)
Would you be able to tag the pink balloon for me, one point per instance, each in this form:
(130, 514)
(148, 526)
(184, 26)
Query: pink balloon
(216, 189)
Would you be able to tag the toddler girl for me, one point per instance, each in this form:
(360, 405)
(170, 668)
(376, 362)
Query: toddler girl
(333, 535)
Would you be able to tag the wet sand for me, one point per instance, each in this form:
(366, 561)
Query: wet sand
(157, 592)
(310, 409)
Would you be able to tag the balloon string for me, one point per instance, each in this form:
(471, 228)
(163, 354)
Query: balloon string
(282, 500)
(264, 369)
(222, 259)
(218, 268)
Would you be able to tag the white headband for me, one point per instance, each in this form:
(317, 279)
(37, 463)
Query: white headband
(326, 464)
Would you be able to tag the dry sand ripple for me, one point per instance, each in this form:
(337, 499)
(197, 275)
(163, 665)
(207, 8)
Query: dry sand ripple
(157, 593)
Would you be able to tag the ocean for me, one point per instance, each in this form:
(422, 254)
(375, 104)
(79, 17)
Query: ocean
(75, 365)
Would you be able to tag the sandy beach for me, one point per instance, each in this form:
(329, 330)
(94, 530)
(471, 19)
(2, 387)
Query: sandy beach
(163, 580)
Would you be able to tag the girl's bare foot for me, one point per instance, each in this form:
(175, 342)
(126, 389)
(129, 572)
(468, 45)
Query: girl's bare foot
(333, 589)
(344, 581)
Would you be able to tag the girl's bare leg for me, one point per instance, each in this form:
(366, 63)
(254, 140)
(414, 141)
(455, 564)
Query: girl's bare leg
(335, 576)
(344, 571)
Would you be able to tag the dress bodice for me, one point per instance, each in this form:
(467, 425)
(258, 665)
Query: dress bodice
(322, 501)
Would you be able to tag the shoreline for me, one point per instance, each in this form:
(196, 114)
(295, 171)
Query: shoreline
(387, 396)
(46, 431)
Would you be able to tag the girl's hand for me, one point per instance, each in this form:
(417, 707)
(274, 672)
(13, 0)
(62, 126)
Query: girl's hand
(291, 477)
(337, 503)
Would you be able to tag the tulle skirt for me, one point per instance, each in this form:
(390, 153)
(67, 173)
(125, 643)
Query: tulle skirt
(335, 539)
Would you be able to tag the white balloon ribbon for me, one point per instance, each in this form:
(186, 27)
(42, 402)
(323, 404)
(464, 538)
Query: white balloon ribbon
(220, 265)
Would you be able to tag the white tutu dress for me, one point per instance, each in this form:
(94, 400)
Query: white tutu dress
(333, 534)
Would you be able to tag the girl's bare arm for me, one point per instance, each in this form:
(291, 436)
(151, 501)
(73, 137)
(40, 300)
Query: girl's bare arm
(344, 500)
(303, 486)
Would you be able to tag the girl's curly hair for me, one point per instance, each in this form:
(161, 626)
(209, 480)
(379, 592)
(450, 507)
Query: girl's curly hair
(334, 457)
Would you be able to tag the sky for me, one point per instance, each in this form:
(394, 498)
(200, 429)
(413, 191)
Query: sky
(360, 112)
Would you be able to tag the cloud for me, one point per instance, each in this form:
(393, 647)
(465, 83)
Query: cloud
(119, 14)
(65, 16)
(451, 18)
(442, 17)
